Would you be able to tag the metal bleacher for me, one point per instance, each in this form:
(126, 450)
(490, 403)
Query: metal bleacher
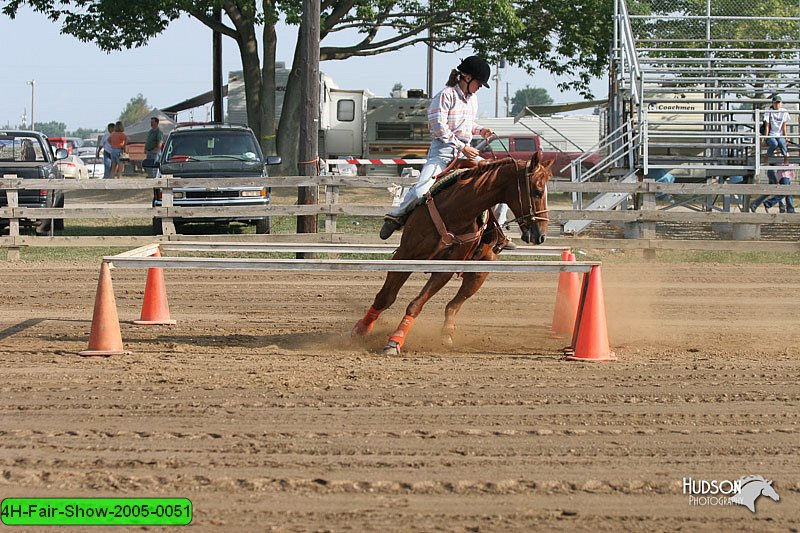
(688, 92)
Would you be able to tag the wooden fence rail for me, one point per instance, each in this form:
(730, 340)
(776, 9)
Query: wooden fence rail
(642, 215)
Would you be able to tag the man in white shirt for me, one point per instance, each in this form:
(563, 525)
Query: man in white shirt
(105, 146)
(776, 118)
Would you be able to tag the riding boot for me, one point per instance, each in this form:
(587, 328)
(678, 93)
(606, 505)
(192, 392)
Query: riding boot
(500, 240)
(390, 225)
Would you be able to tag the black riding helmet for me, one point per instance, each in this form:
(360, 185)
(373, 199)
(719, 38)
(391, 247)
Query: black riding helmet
(478, 68)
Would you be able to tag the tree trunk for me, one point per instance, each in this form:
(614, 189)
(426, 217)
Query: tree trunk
(267, 138)
(248, 51)
(289, 126)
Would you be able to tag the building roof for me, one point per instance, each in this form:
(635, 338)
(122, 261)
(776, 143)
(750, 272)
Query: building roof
(137, 132)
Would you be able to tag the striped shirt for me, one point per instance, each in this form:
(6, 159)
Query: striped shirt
(451, 117)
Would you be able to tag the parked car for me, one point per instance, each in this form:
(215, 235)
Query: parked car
(523, 147)
(94, 165)
(87, 147)
(214, 151)
(29, 155)
(73, 167)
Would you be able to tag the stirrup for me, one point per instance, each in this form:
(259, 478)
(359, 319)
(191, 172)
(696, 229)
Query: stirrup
(400, 221)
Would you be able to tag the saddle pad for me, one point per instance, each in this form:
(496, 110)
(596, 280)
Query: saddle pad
(447, 180)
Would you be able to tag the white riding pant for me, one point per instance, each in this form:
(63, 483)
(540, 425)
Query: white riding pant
(439, 156)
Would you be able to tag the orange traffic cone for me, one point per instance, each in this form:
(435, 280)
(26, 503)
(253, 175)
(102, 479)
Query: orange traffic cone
(590, 337)
(568, 295)
(105, 338)
(155, 309)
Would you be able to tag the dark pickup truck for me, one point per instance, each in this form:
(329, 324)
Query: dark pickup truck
(215, 151)
(29, 155)
(523, 147)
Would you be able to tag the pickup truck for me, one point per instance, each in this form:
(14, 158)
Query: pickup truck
(214, 151)
(29, 155)
(523, 146)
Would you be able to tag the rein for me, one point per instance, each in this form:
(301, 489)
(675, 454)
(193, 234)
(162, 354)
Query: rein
(447, 238)
(527, 205)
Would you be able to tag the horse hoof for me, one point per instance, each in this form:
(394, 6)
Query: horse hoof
(447, 340)
(392, 349)
(360, 330)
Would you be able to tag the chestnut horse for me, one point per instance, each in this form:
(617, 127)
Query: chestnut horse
(451, 228)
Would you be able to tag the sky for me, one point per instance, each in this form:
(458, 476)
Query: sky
(83, 87)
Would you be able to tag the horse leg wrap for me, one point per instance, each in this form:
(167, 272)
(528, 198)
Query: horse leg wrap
(399, 336)
(364, 325)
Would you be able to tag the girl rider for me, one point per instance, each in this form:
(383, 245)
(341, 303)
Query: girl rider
(451, 122)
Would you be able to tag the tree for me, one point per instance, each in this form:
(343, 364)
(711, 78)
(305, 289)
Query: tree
(86, 133)
(135, 110)
(529, 96)
(52, 128)
(563, 38)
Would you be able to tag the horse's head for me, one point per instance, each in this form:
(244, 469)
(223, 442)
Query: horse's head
(768, 491)
(530, 206)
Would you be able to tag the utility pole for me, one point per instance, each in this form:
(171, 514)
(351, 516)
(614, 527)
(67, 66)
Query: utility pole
(496, 79)
(507, 100)
(216, 51)
(32, 83)
(309, 120)
(429, 87)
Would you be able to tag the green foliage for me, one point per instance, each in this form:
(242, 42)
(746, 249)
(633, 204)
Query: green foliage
(735, 33)
(135, 110)
(529, 96)
(566, 38)
(85, 133)
(52, 128)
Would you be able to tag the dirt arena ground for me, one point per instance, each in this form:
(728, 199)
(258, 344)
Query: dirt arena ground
(258, 408)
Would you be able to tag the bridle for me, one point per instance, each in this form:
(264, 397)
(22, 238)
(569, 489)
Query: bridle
(524, 192)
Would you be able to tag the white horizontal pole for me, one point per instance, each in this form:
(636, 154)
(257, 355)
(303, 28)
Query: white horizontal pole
(351, 264)
(288, 247)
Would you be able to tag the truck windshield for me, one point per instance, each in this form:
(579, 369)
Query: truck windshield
(20, 148)
(205, 146)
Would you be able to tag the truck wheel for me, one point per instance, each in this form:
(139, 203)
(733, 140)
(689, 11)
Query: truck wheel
(264, 225)
(58, 224)
(42, 227)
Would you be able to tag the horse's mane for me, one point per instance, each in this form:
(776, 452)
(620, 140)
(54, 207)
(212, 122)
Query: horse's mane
(748, 479)
(485, 167)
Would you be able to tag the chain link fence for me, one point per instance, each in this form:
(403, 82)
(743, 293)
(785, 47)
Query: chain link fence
(741, 25)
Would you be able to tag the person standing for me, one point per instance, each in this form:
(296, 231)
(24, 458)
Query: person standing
(776, 118)
(118, 140)
(452, 116)
(105, 146)
(153, 144)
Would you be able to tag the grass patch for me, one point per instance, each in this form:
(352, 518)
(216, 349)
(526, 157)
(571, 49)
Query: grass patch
(726, 257)
(35, 254)
(693, 256)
